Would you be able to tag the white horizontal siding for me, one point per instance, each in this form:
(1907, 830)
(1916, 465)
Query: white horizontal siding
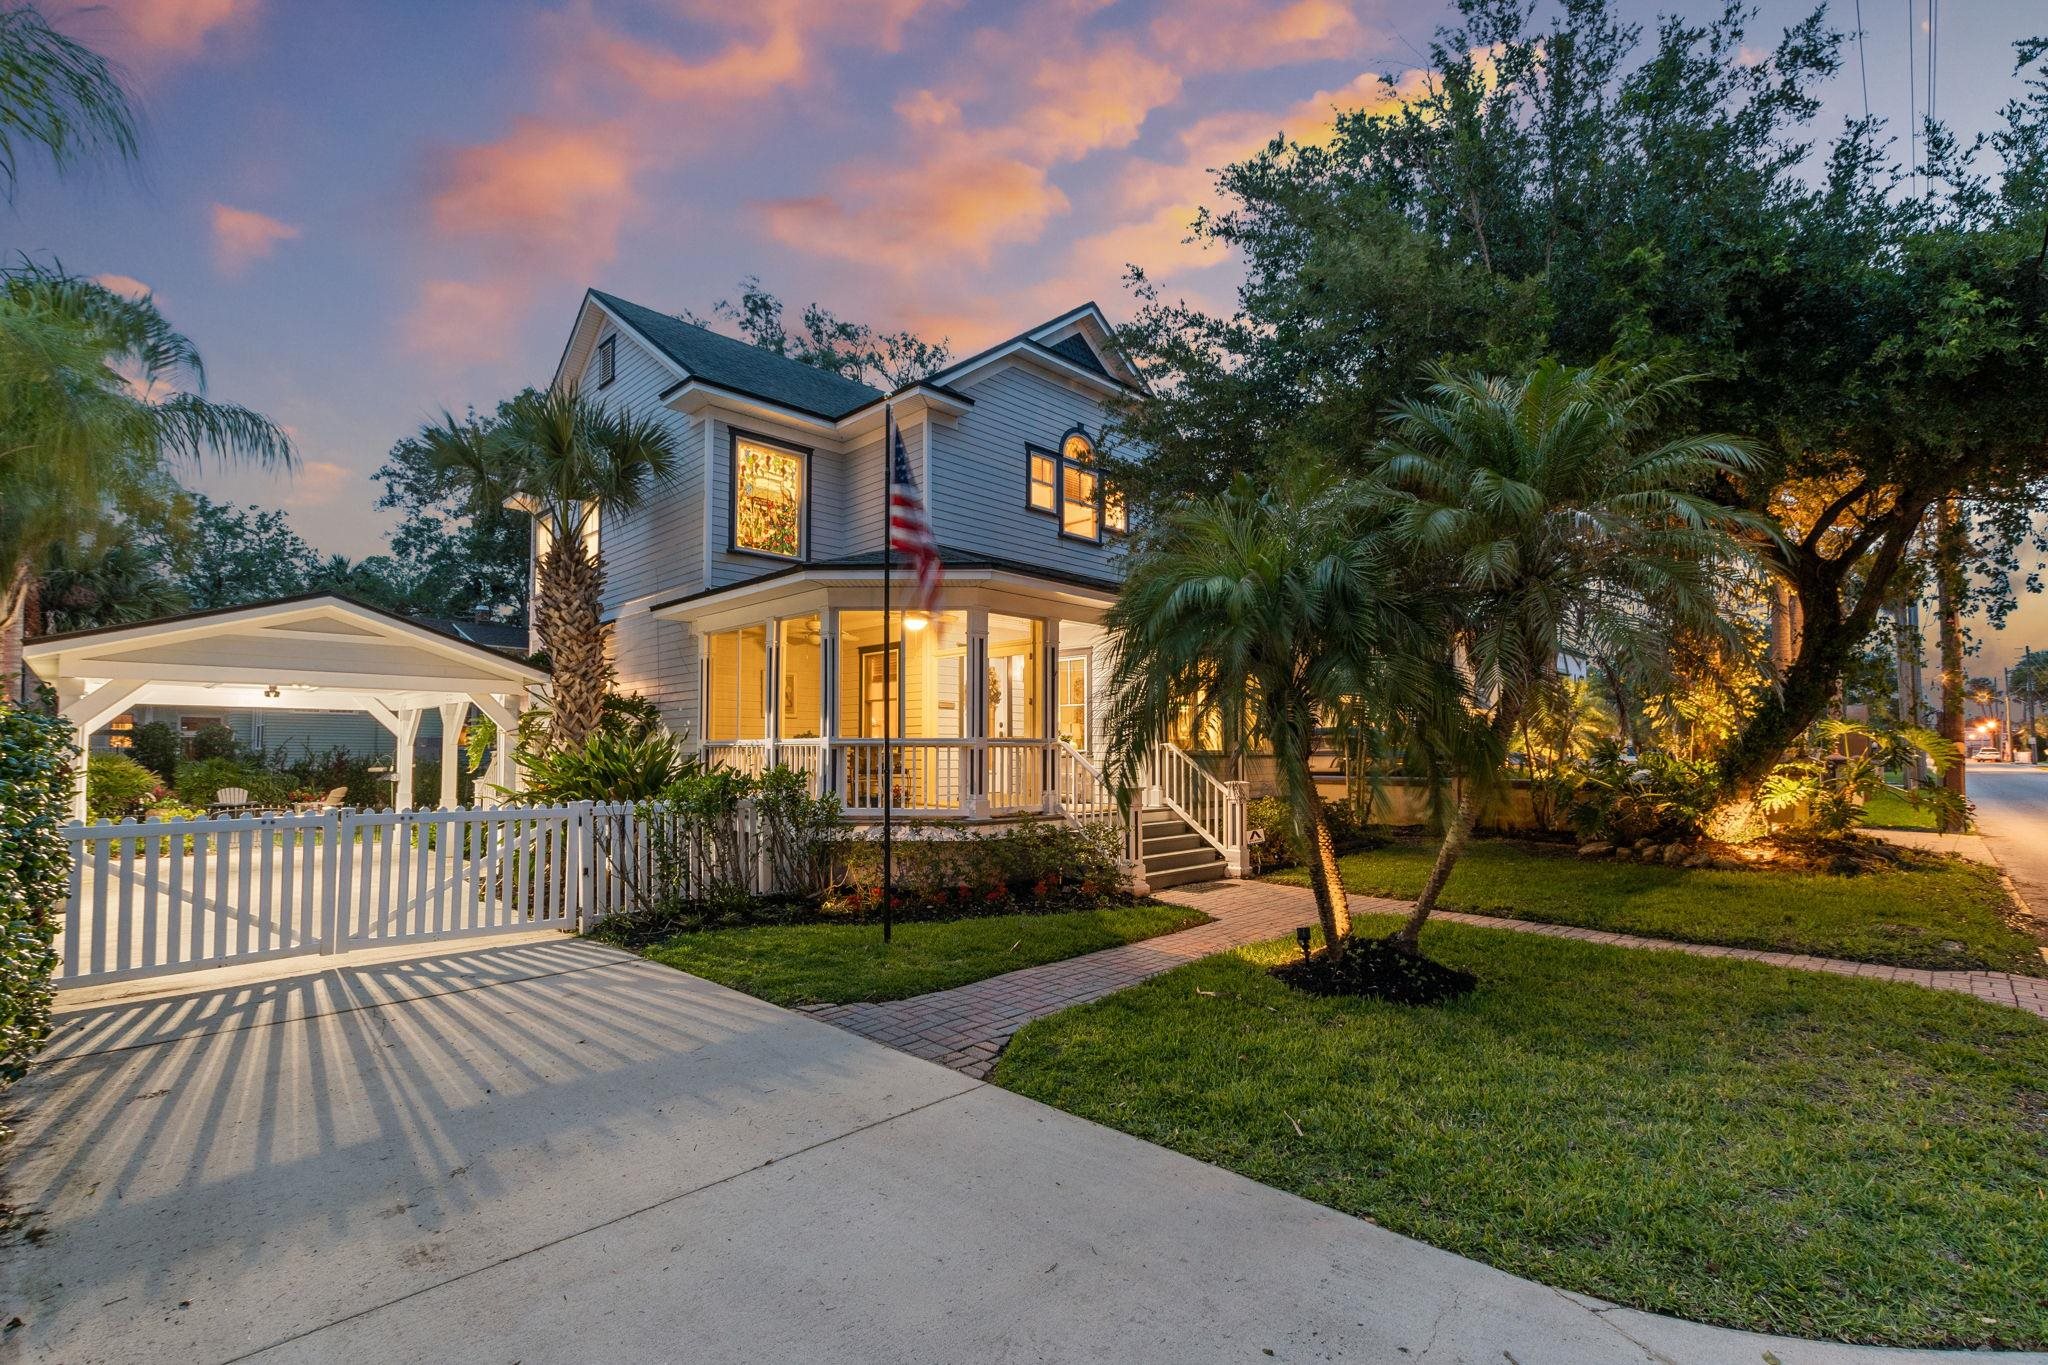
(978, 472)
(658, 548)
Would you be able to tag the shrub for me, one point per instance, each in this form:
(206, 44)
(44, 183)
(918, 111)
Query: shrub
(801, 830)
(1655, 797)
(1034, 865)
(315, 775)
(156, 747)
(36, 754)
(610, 765)
(117, 787)
(213, 740)
(200, 780)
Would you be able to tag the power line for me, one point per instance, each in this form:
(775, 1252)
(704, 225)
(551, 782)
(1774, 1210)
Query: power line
(1933, 47)
(1912, 99)
(1862, 61)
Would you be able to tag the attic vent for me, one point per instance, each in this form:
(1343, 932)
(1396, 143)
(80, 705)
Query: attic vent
(607, 361)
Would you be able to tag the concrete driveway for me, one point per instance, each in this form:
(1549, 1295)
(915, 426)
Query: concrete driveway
(555, 1152)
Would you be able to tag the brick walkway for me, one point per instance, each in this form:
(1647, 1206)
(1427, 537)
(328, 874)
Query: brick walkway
(964, 1028)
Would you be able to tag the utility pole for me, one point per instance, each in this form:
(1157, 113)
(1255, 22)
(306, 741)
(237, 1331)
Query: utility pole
(1951, 541)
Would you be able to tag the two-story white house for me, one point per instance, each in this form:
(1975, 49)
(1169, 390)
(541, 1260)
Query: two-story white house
(746, 597)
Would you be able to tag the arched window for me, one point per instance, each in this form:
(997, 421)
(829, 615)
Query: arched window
(1066, 484)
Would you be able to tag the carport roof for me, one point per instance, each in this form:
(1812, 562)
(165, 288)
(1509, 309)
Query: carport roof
(319, 649)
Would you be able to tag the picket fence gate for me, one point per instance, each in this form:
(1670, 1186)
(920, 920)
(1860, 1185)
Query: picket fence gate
(157, 897)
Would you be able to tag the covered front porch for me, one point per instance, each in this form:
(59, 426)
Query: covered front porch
(989, 705)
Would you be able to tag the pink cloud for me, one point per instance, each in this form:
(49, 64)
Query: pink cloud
(544, 194)
(127, 286)
(316, 483)
(155, 31)
(241, 237)
(1235, 35)
(463, 322)
(954, 207)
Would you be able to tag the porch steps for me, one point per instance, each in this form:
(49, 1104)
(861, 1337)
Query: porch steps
(1174, 854)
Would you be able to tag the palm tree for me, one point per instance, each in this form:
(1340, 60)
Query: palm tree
(57, 95)
(1560, 520)
(94, 421)
(1268, 608)
(102, 585)
(569, 461)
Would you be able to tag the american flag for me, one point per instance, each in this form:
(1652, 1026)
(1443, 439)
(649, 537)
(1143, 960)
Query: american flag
(910, 534)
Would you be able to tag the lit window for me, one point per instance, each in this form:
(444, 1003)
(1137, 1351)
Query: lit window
(607, 361)
(1078, 513)
(1044, 482)
(1077, 449)
(1113, 515)
(768, 500)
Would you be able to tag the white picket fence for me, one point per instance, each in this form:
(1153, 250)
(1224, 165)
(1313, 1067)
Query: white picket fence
(154, 898)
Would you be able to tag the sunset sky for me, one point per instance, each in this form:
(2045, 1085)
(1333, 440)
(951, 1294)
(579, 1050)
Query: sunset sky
(364, 211)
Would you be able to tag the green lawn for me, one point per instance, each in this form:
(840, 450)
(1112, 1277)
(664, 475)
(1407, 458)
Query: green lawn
(1889, 810)
(805, 964)
(1720, 1140)
(1904, 917)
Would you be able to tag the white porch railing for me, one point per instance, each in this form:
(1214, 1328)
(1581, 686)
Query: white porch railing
(756, 756)
(1084, 793)
(1215, 810)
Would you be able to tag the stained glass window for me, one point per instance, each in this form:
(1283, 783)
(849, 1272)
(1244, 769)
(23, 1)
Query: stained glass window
(768, 500)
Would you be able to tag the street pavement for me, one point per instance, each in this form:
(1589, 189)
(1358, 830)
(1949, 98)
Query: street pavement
(2012, 815)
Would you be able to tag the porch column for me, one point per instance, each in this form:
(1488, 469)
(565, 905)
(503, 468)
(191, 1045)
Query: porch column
(828, 700)
(405, 733)
(771, 690)
(976, 683)
(503, 772)
(87, 712)
(452, 715)
(1048, 704)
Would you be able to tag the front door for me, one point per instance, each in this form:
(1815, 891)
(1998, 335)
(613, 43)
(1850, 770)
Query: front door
(877, 700)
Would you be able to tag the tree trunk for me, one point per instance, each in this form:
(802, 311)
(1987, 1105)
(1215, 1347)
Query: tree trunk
(1951, 539)
(1333, 904)
(13, 621)
(1409, 935)
(567, 617)
(1828, 639)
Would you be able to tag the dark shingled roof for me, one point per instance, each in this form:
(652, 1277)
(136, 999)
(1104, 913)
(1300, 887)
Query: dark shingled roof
(872, 559)
(1077, 349)
(733, 364)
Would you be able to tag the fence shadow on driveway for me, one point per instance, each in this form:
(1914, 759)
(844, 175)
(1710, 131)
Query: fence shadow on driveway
(244, 1163)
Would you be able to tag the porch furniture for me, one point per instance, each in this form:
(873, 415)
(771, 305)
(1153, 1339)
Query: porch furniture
(334, 800)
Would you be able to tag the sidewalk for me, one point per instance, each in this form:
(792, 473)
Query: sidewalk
(964, 1028)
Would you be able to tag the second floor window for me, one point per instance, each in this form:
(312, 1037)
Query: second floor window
(767, 499)
(607, 360)
(1080, 490)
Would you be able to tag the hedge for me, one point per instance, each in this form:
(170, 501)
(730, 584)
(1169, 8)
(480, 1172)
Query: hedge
(36, 755)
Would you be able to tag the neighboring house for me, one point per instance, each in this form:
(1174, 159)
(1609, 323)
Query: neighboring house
(746, 597)
(303, 733)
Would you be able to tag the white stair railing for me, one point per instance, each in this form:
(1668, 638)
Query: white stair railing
(1215, 810)
(1085, 796)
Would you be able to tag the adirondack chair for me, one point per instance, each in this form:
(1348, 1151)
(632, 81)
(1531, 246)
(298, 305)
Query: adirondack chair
(228, 799)
(334, 800)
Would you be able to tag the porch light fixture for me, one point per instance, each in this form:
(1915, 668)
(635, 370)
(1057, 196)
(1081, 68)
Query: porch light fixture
(916, 620)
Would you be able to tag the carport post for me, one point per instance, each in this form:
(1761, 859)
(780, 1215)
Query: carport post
(452, 715)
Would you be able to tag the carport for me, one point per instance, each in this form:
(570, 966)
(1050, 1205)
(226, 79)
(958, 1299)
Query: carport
(314, 652)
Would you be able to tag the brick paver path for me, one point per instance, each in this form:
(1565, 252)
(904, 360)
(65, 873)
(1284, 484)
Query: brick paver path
(964, 1028)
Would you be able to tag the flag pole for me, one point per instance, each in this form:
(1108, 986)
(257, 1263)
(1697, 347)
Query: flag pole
(888, 662)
